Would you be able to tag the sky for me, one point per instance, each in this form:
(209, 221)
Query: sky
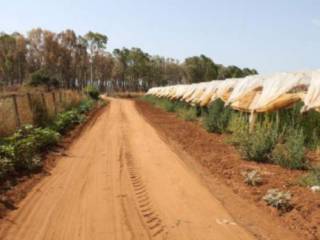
(270, 36)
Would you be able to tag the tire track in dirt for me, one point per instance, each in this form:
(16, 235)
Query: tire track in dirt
(143, 201)
(148, 215)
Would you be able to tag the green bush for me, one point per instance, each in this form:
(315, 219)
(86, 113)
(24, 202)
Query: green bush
(86, 105)
(239, 127)
(217, 118)
(258, 145)
(6, 167)
(23, 146)
(40, 113)
(311, 179)
(20, 152)
(45, 138)
(43, 77)
(167, 105)
(291, 153)
(66, 120)
(187, 113)
(92, 91)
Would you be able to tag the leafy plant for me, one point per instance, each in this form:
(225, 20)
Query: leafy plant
(252, 178)
(217, 118)
(311, 179)
(279, 200)
(66, 120)
(6, 166)
(291, 153)
(92, 91)
(43, 77)
(40, 113)
(188, 113)
(258, 145)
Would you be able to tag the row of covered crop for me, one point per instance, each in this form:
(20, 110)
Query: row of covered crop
(257, 93)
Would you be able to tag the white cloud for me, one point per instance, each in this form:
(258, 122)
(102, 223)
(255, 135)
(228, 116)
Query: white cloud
(316, 22)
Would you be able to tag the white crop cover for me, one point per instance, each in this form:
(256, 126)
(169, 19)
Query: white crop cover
(265, 89)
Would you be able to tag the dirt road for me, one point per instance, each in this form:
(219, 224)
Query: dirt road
(119, 180)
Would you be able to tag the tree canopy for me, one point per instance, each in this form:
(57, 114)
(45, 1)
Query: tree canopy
(68, 60)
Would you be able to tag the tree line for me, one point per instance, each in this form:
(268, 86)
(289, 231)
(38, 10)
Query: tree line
(68, 60)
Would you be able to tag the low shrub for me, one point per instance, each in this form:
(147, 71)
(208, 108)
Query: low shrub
(92, 91)
(166, 105)
(291, 153)
(187, 113)
(45, 138)
(257, 145)
(43, 77)
(6, 167)
(217, 118)
(20, 152)
(23, 146)
(311, 179)
(279, 200)
(40, 113)
(86, 105)
(238, 126)
(252, 178)
(66, 120)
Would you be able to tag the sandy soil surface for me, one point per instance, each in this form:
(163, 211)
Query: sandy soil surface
(121, 180)
(220, 166)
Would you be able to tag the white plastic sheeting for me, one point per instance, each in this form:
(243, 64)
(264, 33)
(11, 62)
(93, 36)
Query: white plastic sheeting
(255, 93)
(209, 92)
(312, 98)
(226, 86)
(244, 86)
(277, 85)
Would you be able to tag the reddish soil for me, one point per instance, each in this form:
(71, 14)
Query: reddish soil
(17, 188)
(223, 163)
(120, 180)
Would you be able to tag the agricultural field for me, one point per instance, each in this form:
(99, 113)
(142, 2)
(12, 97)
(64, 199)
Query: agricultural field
(159, 120)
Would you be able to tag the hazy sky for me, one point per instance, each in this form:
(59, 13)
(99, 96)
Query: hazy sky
(270, 35)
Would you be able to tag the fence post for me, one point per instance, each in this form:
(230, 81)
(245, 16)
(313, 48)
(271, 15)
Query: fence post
(44, 102)
(29, 101)
(30, 106)
(54, 102)
(18, 121)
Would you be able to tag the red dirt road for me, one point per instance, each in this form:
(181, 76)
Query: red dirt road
(120, 180)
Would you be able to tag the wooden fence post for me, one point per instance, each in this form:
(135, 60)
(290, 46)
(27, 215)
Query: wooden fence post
(44, 101)
(18, 121)
(54, 103)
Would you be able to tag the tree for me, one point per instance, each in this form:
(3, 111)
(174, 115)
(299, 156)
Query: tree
(200, 69)
(95, 42)
(70, 61)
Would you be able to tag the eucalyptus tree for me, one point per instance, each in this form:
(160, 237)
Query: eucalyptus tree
(95, 42)
(200, 69)
(121, 67)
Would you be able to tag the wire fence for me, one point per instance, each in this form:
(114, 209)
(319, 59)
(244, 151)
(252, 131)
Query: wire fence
(17, 110)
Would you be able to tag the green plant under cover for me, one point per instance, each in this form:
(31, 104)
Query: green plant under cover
(188, 113)
(278, 137)
(217, 117)
(258, 144)
(291, 153)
